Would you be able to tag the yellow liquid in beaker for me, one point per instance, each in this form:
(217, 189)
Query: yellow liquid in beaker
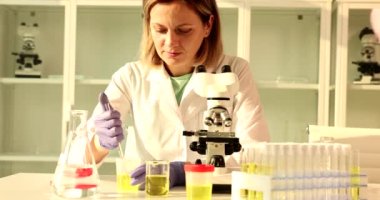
(198, 192)
(124, 183)
(157, 185)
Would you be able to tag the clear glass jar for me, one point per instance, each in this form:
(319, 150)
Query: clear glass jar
(76, 175)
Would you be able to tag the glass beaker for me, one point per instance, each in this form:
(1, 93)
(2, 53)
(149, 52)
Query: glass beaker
(76, 175)
(157, 177)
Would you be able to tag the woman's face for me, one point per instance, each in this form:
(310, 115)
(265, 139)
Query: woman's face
(375, 21)
(177, 33)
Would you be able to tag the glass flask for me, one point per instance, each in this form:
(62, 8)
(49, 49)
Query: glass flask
(76, 175)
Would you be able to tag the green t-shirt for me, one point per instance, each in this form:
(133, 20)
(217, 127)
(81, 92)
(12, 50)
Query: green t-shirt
(179, 83)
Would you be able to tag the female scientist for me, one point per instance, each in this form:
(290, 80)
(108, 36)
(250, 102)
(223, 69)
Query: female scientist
(375, 22)
(157, 91)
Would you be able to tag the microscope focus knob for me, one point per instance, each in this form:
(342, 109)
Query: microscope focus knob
(228, 148)
(208, 121)
(237, 147)
(194, 146)
(201, 148)
(217, 161)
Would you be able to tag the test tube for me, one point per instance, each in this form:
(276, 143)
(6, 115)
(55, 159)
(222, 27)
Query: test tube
(344, 170)
(244, 169)
(308, 160)
(335, 161)
(327, 171)
(263, 166)
(281, 171)
(299, 171)
(272, 159)
(355, 174)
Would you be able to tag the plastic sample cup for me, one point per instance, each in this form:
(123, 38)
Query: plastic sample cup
(157, 178)
(199, 181)
(123, 179)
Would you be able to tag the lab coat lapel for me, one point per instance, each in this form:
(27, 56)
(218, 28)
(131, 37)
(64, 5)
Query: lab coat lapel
(192, 104)
(161, 91)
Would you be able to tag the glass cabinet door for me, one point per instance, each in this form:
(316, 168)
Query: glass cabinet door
(114, 34)
(229, 24)
(286, 56)
(30, 91)
(356, 98)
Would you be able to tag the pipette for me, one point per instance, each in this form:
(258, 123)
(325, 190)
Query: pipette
(107, 106)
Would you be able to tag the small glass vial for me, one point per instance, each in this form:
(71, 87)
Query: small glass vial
(76, 175)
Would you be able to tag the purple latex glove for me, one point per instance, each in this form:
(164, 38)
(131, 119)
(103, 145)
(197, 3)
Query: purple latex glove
(108, 125)
(176, 176)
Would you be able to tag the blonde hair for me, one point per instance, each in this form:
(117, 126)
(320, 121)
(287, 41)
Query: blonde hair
(211, 48)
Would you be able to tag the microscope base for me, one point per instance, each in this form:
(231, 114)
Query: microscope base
(221, 189)
(27, 74)
(221, 182)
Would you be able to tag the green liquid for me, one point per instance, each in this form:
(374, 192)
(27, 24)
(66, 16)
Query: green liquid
(157, 185)
(198, 192)
(124, 184)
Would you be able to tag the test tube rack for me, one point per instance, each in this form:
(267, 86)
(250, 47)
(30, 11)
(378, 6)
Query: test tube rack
(293, 171)
(310, 188)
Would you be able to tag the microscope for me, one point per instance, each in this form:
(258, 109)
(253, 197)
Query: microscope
(27, 59)
(369, 65)
(217, 140)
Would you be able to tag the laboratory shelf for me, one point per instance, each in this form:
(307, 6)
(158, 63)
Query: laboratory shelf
(29, 158)
(221, 3)
(365, 87)
(34, 2)
(277, 85)
(109, 2)
(30, 81)
(94, 81)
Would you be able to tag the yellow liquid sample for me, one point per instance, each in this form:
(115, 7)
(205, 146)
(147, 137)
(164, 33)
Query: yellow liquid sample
(355, 182)
(244, 192)
(157, 185)
(254, 168)
(198, 192)
(124, 183)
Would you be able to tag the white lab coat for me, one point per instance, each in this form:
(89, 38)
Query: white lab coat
(147, 94)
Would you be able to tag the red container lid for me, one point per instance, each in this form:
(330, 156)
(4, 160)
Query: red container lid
(198, 168)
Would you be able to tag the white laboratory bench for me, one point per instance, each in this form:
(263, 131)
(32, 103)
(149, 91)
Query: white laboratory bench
(34, 186)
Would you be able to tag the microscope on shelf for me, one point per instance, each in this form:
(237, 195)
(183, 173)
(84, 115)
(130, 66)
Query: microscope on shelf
(217, 140)
(369, 65)
(27, 59)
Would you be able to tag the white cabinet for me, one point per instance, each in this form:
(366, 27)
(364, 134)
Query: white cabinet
(82, 42)
(355, 105)
(31, 109)
(289, 52)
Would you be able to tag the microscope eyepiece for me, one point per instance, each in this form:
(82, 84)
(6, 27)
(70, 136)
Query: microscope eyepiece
(200, 68)
(226, 68)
